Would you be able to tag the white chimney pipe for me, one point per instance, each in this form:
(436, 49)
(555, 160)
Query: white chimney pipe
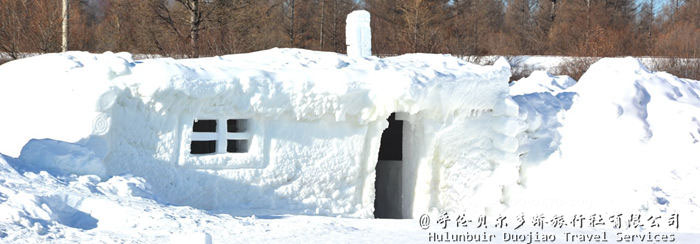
(358, 34)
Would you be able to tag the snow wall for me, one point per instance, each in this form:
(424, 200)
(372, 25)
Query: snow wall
(315, 125)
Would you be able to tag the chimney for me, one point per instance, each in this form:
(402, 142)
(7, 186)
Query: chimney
(358, 35)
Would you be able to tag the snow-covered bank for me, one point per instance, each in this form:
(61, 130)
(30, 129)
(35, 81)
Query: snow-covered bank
(525, 64)
(622, 139)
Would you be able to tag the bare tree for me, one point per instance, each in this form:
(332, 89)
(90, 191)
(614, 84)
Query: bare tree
(645, 28)
(290, 14)
(409, 25)
(172, 17)
(64, 27)
(195, 22)
(195, 28)
(476, 28)
(519, 26)
(320, 29)
(11, 25)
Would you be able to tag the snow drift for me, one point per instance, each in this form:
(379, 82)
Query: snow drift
(623, 139)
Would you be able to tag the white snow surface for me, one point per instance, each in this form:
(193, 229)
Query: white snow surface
(86, 156)
(541, 81)
(316, 123)
(622, 139)
(40, 207)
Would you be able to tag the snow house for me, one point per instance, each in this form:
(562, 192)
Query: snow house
(281, 131)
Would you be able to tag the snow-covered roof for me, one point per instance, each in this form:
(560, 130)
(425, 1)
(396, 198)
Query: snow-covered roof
(309, 85)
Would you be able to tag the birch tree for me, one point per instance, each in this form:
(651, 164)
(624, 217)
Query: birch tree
(64, 27)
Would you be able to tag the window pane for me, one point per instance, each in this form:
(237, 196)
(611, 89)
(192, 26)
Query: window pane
(202, 147)
(204, 126)
(237, 125)
(237, 146)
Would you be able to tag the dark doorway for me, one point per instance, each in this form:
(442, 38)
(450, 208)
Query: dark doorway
(387, 202)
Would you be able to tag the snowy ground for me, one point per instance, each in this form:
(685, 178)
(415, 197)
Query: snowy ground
(38, 207)
(622, 140)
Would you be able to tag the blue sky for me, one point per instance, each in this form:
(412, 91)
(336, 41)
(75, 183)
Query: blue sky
(659, 4)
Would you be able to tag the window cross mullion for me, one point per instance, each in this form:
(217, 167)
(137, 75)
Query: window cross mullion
(221, 136)
(238, 136)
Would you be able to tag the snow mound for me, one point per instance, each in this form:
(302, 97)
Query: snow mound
(542, 100)
(125, 186)
(628, 143)
(541, 81)
(59, 158)
(56, 96)
(541, 113)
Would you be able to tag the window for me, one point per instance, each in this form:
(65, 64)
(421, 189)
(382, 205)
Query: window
(204, 126)
(237, 125)
(237, 146)
(237, 136)
(203, 147)
(211, 137)
(203, 137)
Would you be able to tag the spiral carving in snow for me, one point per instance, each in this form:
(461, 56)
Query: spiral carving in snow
(101, 124)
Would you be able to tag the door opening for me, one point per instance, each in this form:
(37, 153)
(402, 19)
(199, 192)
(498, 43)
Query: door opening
(388, 185)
